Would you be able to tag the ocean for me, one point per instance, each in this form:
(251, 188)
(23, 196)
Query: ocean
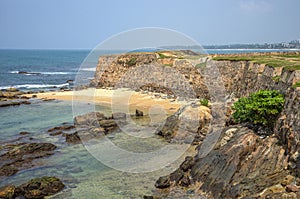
(84, 176)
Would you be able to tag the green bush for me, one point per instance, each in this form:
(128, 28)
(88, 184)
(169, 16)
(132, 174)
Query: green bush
(261, 107)
(204, 102)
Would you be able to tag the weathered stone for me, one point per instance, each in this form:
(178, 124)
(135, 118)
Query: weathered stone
(291, 188)
(177, 175)
(41, 187)
(107, 123)
(91, 119)
(287, 180)
(185, 181)
(22, 156)
(163, 182)
(73, 138)
(187, 164)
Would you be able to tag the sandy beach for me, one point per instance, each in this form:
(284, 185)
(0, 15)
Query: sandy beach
(119, 98)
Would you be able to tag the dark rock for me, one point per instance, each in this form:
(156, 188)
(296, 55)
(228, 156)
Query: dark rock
(138, 113)
(28, 73)
(152, 197)
(187, 164)
(168, 130)
(34, 96)
(163, 182)
(13, 103)
(41, 187)
(292, 188)
(73, 138)
(56, 133)
(22, 156)
(7, 192)
(27, 149)
(24, 133)
(185, 181)
(177, 175)
(62, 128)
(8, 170)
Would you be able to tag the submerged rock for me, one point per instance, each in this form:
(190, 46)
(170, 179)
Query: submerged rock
(73, 138)
(22, 156)
(36, 188)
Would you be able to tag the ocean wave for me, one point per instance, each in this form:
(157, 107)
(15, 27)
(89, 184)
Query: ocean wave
(93, 69)
(41, 73)
(31, 86)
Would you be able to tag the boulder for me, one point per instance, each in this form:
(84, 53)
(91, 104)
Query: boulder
(138, 113)
(90, 119)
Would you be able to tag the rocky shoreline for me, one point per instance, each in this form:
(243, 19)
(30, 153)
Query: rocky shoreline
(246, 160)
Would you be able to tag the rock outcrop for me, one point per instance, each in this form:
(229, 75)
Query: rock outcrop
(243, 163)
(36, 188)
(155, 72)
(22, 157)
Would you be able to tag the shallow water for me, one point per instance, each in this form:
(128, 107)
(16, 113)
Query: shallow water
(84, 175)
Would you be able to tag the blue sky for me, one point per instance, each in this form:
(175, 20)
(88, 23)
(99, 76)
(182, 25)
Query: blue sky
(85, 23)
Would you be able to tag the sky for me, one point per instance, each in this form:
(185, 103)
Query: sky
(83, 24)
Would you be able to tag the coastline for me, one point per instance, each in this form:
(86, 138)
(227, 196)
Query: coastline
(120, 98)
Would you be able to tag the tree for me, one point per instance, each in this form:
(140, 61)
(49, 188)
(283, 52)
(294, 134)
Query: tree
(261, 107)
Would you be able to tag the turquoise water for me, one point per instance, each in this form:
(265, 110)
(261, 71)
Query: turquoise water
(84, 176)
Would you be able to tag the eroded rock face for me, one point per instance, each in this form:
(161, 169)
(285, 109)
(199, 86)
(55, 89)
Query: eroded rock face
(151, 72)
(36, 188)
(242, 164)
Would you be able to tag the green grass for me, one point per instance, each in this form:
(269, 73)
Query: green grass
(162, 56)
(132, 61)
(287, 61)
(297, 84)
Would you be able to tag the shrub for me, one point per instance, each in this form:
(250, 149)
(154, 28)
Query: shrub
(204, 102)
(261, 107)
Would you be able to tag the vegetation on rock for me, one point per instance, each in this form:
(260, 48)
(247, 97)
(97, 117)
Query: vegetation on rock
(261, 107)
(290, 61)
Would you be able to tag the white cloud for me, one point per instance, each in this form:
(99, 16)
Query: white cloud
(255, 6)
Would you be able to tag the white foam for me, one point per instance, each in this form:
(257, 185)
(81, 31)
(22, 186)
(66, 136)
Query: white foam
(29, 86)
